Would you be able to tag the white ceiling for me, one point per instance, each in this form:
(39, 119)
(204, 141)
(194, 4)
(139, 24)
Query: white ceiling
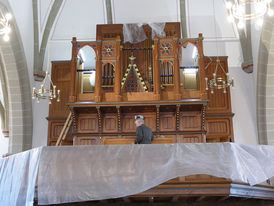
(79, 18)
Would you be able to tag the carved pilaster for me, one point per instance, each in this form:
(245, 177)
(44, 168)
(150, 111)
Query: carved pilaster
(117, 80)
(156, 70)
(178, 96)
(119, 118)
(203, 117)
(158, 118)
(178, 116)
(98, 75)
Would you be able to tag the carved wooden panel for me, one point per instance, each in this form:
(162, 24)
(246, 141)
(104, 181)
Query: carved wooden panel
(87, 123)
(219, 129)
(190, 121)
(86, 141)
(55, 128)
(127, 121)
(217, 139)
(61, 77)
(191, 138)
(219, 102)
(117, 141)
(150, 120)
(167, 121)
(110, 123)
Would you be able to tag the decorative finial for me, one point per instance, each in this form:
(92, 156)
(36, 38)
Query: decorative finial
(132, 58)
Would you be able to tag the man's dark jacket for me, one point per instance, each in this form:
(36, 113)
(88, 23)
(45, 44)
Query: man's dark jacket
(143, 135)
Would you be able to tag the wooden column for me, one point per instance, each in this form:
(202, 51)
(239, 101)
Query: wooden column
(178, 117)
(98, 76)
(203, 93)
(72, 95)
(117, 77)
(119, 118)
(156, 70)
(177, 93)
(157, 118)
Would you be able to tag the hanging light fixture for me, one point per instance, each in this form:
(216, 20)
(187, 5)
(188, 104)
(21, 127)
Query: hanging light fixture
(218, 82)
(46, 93)
(243, 10)
(5, 28)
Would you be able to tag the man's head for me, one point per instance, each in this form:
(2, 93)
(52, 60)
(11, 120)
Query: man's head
(139, 120)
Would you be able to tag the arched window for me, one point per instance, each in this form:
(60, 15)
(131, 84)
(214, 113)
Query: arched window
(189, 67)
(108, 77)
(167, 72)
(86, 69)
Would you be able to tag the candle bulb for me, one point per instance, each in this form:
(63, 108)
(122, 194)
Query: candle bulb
(224, 87)
(54, 91)
(206, 79)
(58, 95)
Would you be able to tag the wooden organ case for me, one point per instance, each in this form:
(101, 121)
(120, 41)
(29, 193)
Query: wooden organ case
(154, 78)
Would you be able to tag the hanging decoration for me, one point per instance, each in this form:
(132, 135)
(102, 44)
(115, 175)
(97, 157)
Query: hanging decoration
(218, 82)
(46, 93)
(243, 10)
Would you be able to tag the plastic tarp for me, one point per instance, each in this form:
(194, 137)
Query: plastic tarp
(82, 173)
(18, 175)
(134, 33)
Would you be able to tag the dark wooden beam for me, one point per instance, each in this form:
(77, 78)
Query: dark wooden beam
(175, 198)
(223, 198)
(151, 199)
(126, 199)
(200, 198)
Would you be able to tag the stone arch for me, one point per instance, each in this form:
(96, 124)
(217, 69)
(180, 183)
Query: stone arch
(15, 72)
(265, 84)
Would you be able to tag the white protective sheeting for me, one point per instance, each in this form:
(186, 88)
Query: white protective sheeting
(18, 178)
(82, 173)
(134, 33)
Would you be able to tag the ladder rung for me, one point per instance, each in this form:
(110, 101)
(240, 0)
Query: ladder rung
(64, 130)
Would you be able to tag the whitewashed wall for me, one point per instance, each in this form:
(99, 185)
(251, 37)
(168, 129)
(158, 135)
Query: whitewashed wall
(200, 20)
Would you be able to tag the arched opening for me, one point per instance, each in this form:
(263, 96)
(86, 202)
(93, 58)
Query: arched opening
(189, 67)
(108, 77)
(86, 70)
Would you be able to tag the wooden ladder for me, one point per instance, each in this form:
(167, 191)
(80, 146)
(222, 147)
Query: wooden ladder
(64, 131)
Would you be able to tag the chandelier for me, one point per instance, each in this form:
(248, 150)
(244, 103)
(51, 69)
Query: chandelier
(218, 82)
(5, 26)
(243, 10)
(46, 93)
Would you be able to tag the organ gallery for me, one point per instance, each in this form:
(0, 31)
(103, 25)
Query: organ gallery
(164, 78)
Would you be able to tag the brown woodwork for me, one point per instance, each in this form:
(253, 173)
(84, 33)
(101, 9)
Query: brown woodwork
(175, 114)
(219, 102)
(112, 141)
(55, 128)
(58, 111)
(61, 77)
(186, 116)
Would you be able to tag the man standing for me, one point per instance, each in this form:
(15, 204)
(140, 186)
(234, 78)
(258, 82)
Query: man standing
(143, 133)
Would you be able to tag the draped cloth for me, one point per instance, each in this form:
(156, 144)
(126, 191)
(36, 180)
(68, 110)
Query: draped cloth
(18, 175)
(134, 33)
(84, 173)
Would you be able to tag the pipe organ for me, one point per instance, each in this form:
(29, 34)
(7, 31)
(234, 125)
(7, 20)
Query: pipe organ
(108, 81)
